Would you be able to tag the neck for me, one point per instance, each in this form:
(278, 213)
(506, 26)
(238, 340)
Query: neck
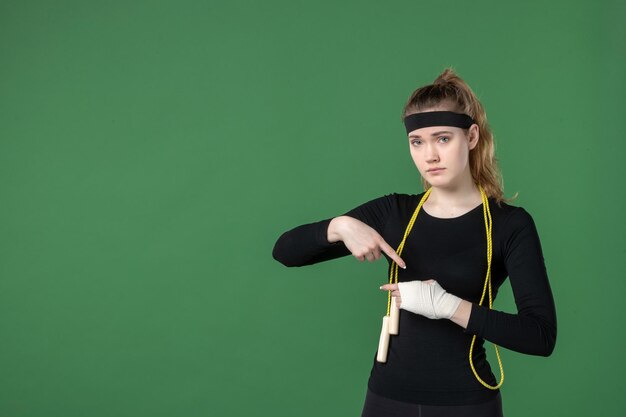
(463, 194)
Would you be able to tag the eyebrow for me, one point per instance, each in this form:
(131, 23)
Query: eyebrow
(432, 134)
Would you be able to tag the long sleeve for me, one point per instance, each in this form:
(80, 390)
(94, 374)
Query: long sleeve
(533, 329)
(308, 244)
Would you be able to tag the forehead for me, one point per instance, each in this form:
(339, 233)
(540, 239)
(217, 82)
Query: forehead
(433, 131)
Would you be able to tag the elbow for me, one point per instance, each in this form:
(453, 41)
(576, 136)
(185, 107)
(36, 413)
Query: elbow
(543, 347)
(548, 343)
(546, 350)
(550, 335)
(539, 337)
(281, 252)
(549, 349)
(277, 254)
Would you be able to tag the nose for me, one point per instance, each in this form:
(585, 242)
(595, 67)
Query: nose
(432, 155)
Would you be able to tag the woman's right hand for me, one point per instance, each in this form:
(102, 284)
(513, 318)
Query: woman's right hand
(360, 239)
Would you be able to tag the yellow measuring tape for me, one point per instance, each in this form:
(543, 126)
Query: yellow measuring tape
(393, 276)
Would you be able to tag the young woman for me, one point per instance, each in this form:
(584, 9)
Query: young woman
(456, 244)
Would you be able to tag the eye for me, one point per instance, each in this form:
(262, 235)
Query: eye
(447, 139)
(416, 142)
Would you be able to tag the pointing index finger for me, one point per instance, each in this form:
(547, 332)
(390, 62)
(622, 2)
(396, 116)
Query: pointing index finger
(392, 254)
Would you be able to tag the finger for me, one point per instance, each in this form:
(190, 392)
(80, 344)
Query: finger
(392, 254)
(389, 287)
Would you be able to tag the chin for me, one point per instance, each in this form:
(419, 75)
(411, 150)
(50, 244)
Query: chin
(439, 182)
(436, 179)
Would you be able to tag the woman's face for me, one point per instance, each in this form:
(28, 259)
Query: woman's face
(441, 154)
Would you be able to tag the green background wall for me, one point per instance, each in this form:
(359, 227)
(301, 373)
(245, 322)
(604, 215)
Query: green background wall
(151, 153)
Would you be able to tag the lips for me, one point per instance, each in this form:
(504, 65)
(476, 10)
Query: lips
(435, 169)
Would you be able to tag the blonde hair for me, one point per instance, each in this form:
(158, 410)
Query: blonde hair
(450, 92)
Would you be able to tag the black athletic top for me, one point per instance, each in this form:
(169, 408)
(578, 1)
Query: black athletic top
(428, 361)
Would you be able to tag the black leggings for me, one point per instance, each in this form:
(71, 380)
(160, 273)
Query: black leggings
(377, 406)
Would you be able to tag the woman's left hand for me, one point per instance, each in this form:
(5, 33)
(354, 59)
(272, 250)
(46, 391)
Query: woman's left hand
(426, 298)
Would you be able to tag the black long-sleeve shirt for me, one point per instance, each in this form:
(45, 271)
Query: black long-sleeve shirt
(427, 362)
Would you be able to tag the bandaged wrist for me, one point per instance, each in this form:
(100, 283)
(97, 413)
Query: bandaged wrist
(428, 299)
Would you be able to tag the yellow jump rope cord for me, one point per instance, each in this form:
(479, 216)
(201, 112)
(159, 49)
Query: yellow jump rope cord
(393, 276)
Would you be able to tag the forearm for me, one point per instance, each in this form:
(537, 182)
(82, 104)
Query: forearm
(528, 337)
(529, 332)
(462, 314)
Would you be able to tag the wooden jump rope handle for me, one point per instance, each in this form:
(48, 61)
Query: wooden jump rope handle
(383, 342)
(394, 317)
(390, 327)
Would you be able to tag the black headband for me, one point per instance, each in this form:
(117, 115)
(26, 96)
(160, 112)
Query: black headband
(437, 118)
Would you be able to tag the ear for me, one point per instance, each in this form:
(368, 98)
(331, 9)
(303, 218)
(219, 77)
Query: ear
(473, 136)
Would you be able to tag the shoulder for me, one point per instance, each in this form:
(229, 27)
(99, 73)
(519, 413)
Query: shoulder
(516, 228)
(406, 199)
(389, 204)
(397, 199)
(512, 217)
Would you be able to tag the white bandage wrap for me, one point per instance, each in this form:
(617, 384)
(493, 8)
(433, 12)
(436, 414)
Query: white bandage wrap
(427, 299)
